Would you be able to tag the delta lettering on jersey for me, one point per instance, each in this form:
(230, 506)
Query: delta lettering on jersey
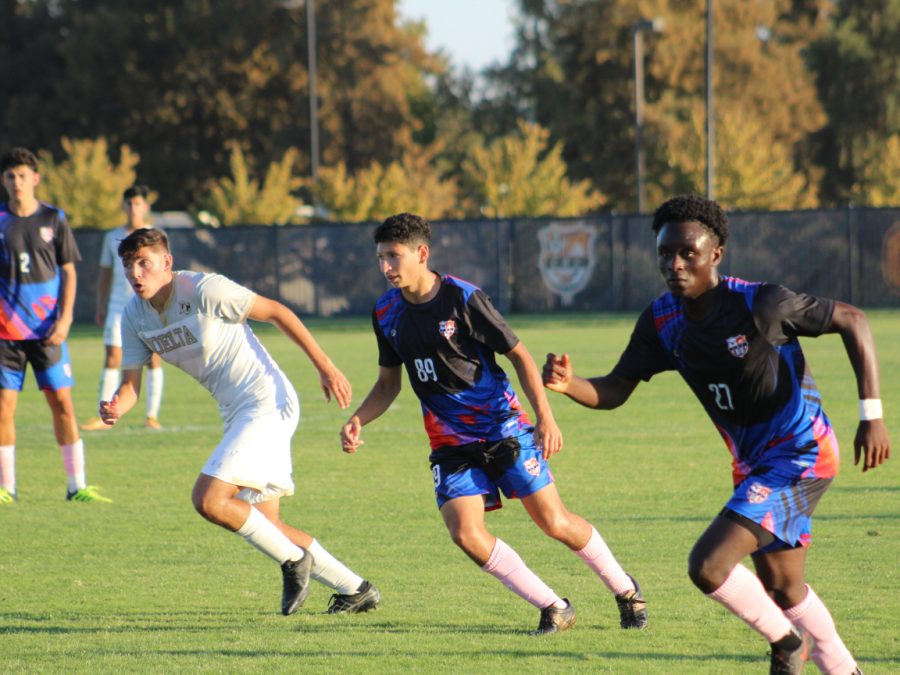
(168, 342)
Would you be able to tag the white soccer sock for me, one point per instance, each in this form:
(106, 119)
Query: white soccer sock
(8, 467)
(109, 382)
(155, 379)
(332, 572)
(73, 459)
(260, 533)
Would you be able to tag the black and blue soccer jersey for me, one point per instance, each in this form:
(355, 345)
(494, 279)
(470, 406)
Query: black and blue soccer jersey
(745, 364)
(31, 251)
(448, 346)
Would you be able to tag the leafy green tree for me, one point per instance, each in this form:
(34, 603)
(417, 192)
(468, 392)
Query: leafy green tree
(410, 185)
(87, 185)
(877, 172)
(241, 200)
(753, 172)
(858, 81)
(178, 80)
(516, 176)
(573, 73)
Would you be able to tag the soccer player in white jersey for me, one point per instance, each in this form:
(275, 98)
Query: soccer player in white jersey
(113, 293)
(198, 322)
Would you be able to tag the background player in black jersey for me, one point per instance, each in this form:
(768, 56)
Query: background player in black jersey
(37, 294)
(446, 333)
(735, 343)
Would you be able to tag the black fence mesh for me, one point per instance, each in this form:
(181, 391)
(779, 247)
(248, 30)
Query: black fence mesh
(606, 263)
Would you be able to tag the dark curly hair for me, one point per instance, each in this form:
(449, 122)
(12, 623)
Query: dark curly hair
(404, 228)
(693, 209)
(136, 191)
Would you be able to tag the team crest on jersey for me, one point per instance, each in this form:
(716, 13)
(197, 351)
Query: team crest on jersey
(448, 328)
(738, 346)
(532, 466)
(185, 307)
(567, 258)
(67, 369)
(758, 493)
(47, 234)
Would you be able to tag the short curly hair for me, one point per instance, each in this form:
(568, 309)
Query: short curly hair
(693, 209)
(404, 228)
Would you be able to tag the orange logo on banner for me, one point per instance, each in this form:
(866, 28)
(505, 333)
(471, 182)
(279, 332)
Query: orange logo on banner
(890, 258)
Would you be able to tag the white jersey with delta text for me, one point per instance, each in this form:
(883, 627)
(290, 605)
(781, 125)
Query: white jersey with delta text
(120, 291)
(203, 331)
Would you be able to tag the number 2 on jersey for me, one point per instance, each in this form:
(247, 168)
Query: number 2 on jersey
(723, 403)
(424, 368)
(24, 263)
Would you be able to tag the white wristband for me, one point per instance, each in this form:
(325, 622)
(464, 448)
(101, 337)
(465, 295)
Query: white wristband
(870, 409)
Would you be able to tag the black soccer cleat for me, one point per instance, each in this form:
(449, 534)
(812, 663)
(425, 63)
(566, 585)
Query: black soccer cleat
(366, 597)
(554, 620)
(296, 583)
(632, 607)
(791, 652)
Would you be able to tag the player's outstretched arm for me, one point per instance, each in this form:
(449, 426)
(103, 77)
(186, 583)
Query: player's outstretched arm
(125, 397)
(871, 437)
(331, 379)
(66, 304)
(599, 393)
(547, 433)
(386, 389)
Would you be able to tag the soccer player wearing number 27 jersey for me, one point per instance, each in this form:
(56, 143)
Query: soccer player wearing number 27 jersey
(446, 334)
(198, 323)
(735, 344)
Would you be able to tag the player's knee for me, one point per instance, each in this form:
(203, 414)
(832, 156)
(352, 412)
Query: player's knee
(556, 525)
(706, 574)
(206, 505)
(467, 538)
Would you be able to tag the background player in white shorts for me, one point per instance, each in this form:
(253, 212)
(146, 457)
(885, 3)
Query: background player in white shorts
(198, 322)
(113, 293)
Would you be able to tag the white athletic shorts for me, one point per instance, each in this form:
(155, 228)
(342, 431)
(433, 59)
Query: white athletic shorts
(112, 330)
(255, 454)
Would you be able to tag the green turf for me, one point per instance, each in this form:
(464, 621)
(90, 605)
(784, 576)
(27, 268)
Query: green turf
(146, 586)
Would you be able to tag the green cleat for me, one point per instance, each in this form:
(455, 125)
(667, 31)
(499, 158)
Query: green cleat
(7, 497)
(90, 493)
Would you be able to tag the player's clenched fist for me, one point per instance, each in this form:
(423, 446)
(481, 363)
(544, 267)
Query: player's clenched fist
(557, 373)
(350, 435)
(109, 410)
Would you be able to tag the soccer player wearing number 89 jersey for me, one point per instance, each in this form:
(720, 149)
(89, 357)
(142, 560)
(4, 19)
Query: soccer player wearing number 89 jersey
(735, 344)
(446, 333)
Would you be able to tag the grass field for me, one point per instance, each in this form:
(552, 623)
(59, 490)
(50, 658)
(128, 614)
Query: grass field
(144, 585)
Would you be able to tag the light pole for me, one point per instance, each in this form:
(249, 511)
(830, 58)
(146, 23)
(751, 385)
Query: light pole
(710, 120)
(656, 25)
(312, 69)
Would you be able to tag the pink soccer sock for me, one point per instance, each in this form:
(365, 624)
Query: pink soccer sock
(507, 566)
(598, 557)
(73, 459)
(829, 652)
(8, 467)
(743, 595)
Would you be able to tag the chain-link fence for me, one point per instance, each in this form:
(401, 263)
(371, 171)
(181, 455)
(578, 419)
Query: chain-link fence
(606, 263)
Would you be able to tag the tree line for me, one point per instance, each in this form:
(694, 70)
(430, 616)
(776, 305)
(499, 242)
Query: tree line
(207, 102)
